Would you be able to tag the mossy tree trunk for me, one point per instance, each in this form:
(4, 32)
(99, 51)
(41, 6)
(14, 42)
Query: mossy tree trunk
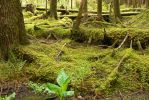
(53, 9)
(77, 23)
(147, 3)
(116, 5)
(99, 9)
(85, 9)
(12, 29)
(134, 3)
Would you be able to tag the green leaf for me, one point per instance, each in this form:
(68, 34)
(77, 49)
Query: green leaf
(62, 78)
(68, 93)
(65, 85)
(53, 88)
(11, 97)
(0, 98)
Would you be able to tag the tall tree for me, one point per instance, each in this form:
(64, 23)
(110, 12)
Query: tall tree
(116, 5)
(12, 29)
(99, 9)
(76, 24)
(147, 3)
(85, 9)
(53, 9)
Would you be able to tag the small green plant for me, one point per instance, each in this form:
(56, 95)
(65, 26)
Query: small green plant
(10, 97)
(61, 89)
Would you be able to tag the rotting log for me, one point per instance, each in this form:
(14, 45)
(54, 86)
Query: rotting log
(93, 12)
(105, 15)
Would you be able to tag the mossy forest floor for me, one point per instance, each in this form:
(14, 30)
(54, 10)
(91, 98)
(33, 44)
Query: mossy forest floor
(98, 70)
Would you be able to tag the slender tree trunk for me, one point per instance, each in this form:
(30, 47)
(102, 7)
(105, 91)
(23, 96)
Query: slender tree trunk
(71, 4)
(76, 24)
(12, 30)
(116, 5)
(85, 9)
(53, 9)
(134, 4)
(99, 9)
(46, 6)
(147, 3)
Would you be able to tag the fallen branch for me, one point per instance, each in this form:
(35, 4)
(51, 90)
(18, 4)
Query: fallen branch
(123, 41)
(114, 50)
(114, 74)
(113, 45)
(121, 96)
(131, 44)
(104, 46)
(140, 47)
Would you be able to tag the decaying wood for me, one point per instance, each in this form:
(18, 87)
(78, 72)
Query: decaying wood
(113, 75)
(120, 62)
(121, 96)
(51, 36)
(131, 44)
(140, 47)
(114, 50)
(104, 46)
(113, 45)
(123, 41)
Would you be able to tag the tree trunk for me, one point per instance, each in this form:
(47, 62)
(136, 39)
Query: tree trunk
(12, 29)
(53, 9)
(147, 3)
(71, 4)
(85, 9)
(46, 6)
(99, 9)
(116, 5)
(76, 24)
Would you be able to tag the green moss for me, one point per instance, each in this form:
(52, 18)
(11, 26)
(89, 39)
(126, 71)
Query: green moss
(88, 65)
(44, 28)
(97, 35)
(28, 14)
(139, 21)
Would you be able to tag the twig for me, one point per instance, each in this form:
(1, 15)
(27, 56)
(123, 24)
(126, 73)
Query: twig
(113, 45)
(140, 47)
(131, 44)
(121, 96)
(114, 50)
(121, 61)
(123, 41)
(104, 46)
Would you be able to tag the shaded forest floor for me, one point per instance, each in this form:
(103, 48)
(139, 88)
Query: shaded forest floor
(90, 57)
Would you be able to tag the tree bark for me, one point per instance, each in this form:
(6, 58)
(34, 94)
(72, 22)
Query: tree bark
(147, 3)
(53, 9)
(76, 24)
(99, 9)
(85, 9)
(116, 5)
(12, 29)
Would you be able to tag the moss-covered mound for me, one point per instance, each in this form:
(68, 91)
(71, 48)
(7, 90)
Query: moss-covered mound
(109, 36)
(140, 20)
(47, 28)
(91, 68)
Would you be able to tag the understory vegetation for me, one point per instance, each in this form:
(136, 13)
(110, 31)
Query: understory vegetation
(103, 59)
